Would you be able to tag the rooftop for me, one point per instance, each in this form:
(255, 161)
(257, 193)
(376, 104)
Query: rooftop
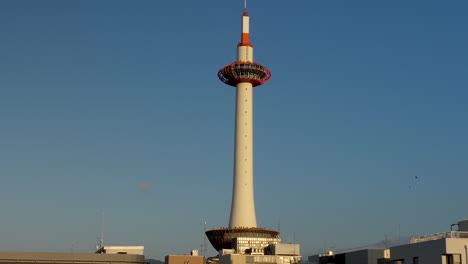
(437, 236)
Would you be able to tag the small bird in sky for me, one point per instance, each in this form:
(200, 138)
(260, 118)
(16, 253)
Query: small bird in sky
(411, 186)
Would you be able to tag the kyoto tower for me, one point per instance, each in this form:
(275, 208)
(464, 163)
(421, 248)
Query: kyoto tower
(244, 74)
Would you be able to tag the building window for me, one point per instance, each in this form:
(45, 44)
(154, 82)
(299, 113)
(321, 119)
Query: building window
(453, 258)
(415, 260)
(398, 261)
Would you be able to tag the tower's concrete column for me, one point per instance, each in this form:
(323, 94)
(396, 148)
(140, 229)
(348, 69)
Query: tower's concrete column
(243, 205)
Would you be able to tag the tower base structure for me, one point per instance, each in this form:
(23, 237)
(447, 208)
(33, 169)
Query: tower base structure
(222, 238)
(251, 246)
(266, 259)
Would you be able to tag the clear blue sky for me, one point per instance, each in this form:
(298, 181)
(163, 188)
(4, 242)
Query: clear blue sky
(115, 106)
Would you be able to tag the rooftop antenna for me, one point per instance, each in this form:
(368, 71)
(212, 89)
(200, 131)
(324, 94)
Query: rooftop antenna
(245, 4)
(386, 241)
(101, 241)
(204, 243)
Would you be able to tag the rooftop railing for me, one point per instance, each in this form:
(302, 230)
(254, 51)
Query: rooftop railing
(437, 236)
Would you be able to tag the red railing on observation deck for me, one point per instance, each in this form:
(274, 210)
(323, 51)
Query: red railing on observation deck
(240, 71)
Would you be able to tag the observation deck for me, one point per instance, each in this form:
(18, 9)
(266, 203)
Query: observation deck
(244, 71)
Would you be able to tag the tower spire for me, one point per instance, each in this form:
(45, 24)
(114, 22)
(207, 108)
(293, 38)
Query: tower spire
(245, 38)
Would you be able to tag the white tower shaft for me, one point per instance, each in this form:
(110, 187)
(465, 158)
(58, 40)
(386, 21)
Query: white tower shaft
(243, 204)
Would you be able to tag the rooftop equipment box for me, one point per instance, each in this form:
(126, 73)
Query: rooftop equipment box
(285, 249)
(463, 225)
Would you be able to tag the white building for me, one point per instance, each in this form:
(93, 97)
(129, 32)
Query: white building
(362, 256)
(135, 250)
(441, 248)
(247, 250)
(258, 259)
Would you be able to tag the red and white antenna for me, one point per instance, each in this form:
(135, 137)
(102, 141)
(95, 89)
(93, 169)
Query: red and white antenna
(245, 41)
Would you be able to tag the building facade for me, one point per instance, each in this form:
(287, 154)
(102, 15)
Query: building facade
(67, 258)
(364, 256)
(184, 259)
(441, 248)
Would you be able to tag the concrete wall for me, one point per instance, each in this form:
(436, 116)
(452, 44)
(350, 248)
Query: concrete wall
(258, 259)
(374, 255)
(286, 249)
(365, 256)
(432, 252)
(457, 246)
(429, 252)
(356, 257)
(184, 259)
(59, 258)
(232, 259)
(135, 250)
(271, 259)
